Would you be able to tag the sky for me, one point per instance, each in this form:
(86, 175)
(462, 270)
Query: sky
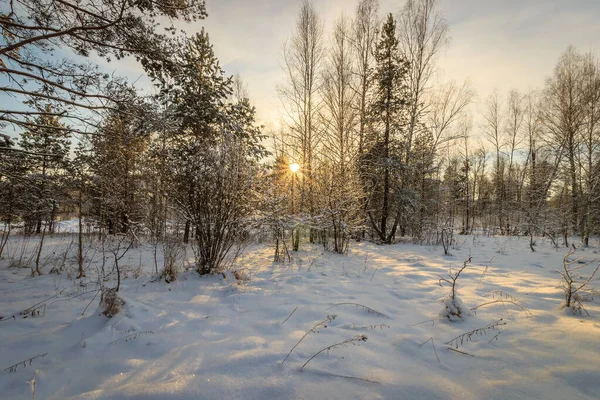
(495, 44)
(499, 44)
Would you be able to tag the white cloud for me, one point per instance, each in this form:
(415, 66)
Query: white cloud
(496, 44)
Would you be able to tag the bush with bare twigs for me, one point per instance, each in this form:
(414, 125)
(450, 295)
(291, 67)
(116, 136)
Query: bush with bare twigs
(454, 309)
(576, 286)
(173, 250)
(110, 302)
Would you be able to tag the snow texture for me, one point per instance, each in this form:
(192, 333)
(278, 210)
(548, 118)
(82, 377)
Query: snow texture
(219, 337)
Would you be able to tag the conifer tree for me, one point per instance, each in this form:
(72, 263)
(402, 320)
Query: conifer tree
(383, 162)
(211, 151)
(47, 145)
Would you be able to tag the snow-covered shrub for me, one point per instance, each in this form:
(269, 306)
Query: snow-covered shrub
(454, 309)
(110, 302)
(447, 237)
(173, 251)
(574, 285)
(215, 188)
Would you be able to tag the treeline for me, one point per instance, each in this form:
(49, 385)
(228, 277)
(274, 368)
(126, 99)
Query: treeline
(387, 150)
(372, 146)
(179, 165)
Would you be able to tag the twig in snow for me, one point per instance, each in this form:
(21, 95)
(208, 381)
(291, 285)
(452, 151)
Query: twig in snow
(495, 337)
(461, 352)
(454, 308)
(28, 310)
(353, 341)
(323, 323)
(485, 271)
(91, 301)
(4, 319)
(432, 345)
(371, 327)
(352, 377)
(500, 294)
(132, 336)
(572, 283)
(33, 382)
(503, 301)
(453, 277)
(72, 296)
(34, 312)
(467, 336)
(373, 274)
(433, 321)
(31, 311)
(367, 309)
(24, 363)
(292, 313)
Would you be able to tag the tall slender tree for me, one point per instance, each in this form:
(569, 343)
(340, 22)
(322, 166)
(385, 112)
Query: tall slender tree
(492, 129)
(388, 108)
(303, 58)
(47, 145)
(564, 118)
(422, 32)
(339, 141)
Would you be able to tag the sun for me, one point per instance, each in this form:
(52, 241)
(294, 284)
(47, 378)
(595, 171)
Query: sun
(294, 167)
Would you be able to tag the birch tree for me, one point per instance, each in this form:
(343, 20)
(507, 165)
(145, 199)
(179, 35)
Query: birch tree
(339, 142)
(422, 33)
(303, 58)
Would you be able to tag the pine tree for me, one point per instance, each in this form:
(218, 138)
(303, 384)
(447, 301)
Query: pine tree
(211, 152)
(117, 155)
(383, 162)
(14, 183)
(47, 146)
(79, 189)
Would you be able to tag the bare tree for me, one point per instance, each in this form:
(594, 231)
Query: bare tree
(339, 141)
(364, 34)
(422, 32)
(564, 117)
(478, 195)
(515, 120)
(492, 129)
(589, 160)
(365, 28)
(33, 31)
(448, 102)
(533, 130)
(464, 131)
(303, 57)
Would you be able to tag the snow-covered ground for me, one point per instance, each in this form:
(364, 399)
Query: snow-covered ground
(216, 338)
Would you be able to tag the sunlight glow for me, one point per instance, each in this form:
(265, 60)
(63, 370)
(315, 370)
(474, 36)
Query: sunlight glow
(294, 167)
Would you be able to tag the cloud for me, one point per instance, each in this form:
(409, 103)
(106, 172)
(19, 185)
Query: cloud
(515, 44)
(495, 44)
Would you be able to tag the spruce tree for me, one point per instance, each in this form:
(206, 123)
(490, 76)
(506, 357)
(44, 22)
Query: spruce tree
(211, 152)
(388, 108)
(47, 148)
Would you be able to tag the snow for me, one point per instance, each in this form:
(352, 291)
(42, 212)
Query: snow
(219, 338)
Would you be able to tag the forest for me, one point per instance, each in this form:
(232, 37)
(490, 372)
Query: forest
(378, 166)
